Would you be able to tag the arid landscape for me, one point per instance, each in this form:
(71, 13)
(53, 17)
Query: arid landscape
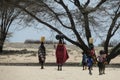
(19, 61)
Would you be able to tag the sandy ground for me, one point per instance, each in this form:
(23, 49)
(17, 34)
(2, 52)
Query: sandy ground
(20, 62)
(51, 73)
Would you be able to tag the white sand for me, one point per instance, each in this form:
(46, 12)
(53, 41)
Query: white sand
(51, 73)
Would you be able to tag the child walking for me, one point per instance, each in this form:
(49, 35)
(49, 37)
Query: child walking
(90, 64)
(101, 62)
(84, 61)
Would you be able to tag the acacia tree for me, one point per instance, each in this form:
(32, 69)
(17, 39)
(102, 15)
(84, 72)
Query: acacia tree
(113, 28)
(80, 22)
(7, 16)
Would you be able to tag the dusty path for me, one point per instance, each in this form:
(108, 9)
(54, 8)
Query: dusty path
(51, 73)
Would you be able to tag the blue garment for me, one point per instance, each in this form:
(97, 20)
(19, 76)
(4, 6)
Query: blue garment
(84, 58)
(89, 61)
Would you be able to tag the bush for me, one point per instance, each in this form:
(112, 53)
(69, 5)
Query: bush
(32, 41)
(38, 42)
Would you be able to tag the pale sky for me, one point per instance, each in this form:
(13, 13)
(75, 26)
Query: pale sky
(30, 33)
(33, 34)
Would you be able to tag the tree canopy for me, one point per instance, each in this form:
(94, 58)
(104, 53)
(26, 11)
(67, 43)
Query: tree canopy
(8, 14)
(77, 20)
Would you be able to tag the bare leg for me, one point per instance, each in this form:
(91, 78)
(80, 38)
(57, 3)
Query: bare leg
(90, 70)
(83, 67)
(42, 65)
(58, 67)
(61, 67)
(100, 71)
(103, 68)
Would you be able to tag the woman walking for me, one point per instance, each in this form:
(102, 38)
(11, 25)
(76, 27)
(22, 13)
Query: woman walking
(42, 53)
(61, 53)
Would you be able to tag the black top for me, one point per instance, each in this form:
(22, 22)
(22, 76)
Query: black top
(42, 50)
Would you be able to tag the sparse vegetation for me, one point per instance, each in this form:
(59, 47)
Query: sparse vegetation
(38, 42)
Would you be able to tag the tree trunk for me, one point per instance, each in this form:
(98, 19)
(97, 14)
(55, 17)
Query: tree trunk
(87, 29)
(2, 40)
(106, 45)
(115, 52)
(1, 46)
(113, 55)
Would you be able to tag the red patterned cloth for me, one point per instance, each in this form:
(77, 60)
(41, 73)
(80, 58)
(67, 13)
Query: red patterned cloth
(61, 54)
(92, 52)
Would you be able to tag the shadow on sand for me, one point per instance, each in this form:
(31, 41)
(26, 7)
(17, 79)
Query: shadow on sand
(68, 64)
